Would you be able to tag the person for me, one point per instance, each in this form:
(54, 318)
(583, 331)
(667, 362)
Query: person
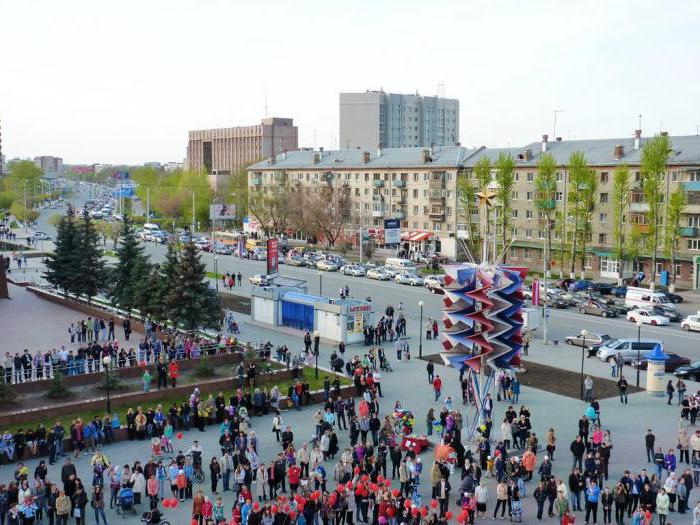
(437, 386)
(622, 389)
(588, 389)
(662, 506)
(606, 502)
(670, 391)
(430, 367)
(97, 502)
(649, 440)
(592, 496)
(63, 508)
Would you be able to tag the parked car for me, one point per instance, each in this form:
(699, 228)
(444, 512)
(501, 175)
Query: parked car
(258, 280)
(592, 341)
(41, 236)
(691, 371)
(671, 313)
(581, 285)
(222, 249)
(673, 297)
(619, 291)
(647, 317)
(295, 261)
(353, 269)
(602, 288)
(409, 278)
(596, 308)
(391, 271)
(378, 274)
(258, 255)
(673, 362)
(692, 322)
(326, 266)
(628, 348)
(554, 301)
(434, 283)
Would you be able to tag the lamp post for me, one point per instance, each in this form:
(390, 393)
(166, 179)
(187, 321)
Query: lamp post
(320, 282)
(317, 340)
(216, 272)
(420, 331)
(584, 334)
(639, 336)
(106, 361)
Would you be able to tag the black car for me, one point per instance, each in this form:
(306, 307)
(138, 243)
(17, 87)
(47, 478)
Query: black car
(691, 371)
(601, 288)
(673, 297)
(670, 313)
(673, 362)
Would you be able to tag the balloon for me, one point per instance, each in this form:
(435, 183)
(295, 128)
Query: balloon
(390, 511)
(274, 509)
(423, 512)
(173, 503)
(292, 514)
(166, 503)
(340, 488)
(387, 483)
(380, 479)
(395, 493)
(178, 435)
(256, 506)
(407, 504)
(357, 470)
(448, 515)
(300, 507)
(433, 503)
(414, 511)
(286, 508)
(194, 522)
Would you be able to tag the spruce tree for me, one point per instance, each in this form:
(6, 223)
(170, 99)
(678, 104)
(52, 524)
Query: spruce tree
(146, 295)
(191, 303)
(90, 264)
(62, 265)
(130, 271)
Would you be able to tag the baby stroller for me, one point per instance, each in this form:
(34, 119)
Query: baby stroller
(125, 502)
(337, 365)
(384, 364)
(154, 517)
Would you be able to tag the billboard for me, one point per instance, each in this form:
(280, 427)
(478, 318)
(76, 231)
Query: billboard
(392, 231)
(222, 211)
(272, 257)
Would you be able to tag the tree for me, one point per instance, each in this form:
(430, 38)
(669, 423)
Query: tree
(466, 206)
(146, 295)
(6, 200)
(545, 202)
(325, 212)
(504, 179)
(674, 212)
(581, 198)
(22, 213)
(482, 173)
(620, 205)
(90, 264)
(273, 208)
(653, 167)
(191, 303)
(132, 267)
(63, 263)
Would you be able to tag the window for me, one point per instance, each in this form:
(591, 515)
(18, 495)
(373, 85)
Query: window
(602, 238)
(588, 262)
(437, 226)
(415, 177)
(448, 210)
(514, 214)
(602, 218)
(694, 220)
(529, 196)
(526, 253)
(415, 194)
(528, 233)
(528, 214)
(560, 176)
(513, 232)
(512, 253)
(366, 176)
(357, 192)
(694, 244)
(540, 234)
(674, 176)
(609, 265)
(603, 176)
(415, 210)
(415, 225)
(558, 196)
(637, 265)
(603, 197)
(516, 176)
(637, 176)
(530, 177)
(514, 195)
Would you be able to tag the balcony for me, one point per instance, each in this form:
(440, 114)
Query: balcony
(691, 186)
(636, 185)
(438, 184)
(640, 228)
(690, 231)
(398, 183)
(377, 213)
(256, 180)
(639, 207)
(327, 176)
(398, 215)
(436, 212)
(378, 183)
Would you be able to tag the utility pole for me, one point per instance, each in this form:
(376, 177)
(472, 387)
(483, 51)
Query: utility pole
(148, 203)
(193, 223)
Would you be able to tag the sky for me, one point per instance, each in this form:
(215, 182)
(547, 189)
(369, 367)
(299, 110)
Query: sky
(123, 81)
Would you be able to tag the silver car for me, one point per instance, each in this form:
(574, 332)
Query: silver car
(354, 270)
(411, 279)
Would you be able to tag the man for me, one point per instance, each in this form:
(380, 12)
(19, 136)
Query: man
(592, 495)
(307, 342)
(126, 324)
(8, 365)
(437, 386)
(649, 440)
(659, 462)
(488, 406)
(442, 493)
(162, 372)
(287, 437)
(576, 486)
(622, 388)
(588, 389)
(577, 447)
(430, 367)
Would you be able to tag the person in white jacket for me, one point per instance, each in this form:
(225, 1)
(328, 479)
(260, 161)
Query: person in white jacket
(138, 485)
(506, 434)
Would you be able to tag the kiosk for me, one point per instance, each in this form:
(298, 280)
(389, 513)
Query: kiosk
(656, 371)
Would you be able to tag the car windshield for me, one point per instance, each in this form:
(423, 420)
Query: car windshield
(664, 300)
(696, 364)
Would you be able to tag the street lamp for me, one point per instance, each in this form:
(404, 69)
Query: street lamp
(317, 340)
(320, 282)
(106, 361)
(216, 272)
(584, 334)
(639, 336)
(420, 331)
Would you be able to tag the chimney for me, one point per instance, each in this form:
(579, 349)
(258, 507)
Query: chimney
(619, 151)
(317, 157)
(284, 154)
(320, 150)
(365, 157)
(544, 143)
(664, 133)
(425, 156)
(528, 155)
(637, 138)
(272, 160)
(379, 152)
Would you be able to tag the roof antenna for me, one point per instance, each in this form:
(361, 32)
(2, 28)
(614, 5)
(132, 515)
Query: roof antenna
(639, 126)
(265, 88)
(554, 130)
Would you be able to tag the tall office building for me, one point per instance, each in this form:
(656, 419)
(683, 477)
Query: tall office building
(222, 152)
(375, 119)
(51, 167)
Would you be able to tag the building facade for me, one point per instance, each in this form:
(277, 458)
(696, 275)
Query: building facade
(419, 187)
(222, 152)
(51, 167)
(375, 119)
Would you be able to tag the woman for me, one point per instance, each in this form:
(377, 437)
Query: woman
(551, 439)
(429, 418)
(606, 502)
(63, 507)
(261, 479)
(79, 502)
(197, 503)
(669, 391)
(152, 491)
(138, 484)
(215, 473)
(53, 495)
(621, 499)
(97, 502)
(506, 433)
(662, 506)
(683, 445)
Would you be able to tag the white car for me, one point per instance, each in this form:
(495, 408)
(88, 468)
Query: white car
(326, 266)
(393, 272)
(692, 322)
(378, 274)
(434, 283)
(647, 317)
(258, 280)
(41, 236)
(354, 270)
(409, 278)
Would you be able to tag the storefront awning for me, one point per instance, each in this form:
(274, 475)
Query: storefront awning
(416, 235)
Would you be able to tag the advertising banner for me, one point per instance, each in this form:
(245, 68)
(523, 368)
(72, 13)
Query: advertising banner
(392, 231)
(272, 257)
(535, 292)
(222, 211)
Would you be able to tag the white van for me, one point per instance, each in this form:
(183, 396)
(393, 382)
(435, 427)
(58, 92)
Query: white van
(400, 264)
(643, 297)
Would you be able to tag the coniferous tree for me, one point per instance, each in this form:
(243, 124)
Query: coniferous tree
(90, 266)
(62, 264)
(146, 295)
(191, 303)
(130, 271)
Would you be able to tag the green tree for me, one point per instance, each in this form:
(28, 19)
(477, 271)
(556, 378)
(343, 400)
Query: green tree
(581, 198)
(22, 213)
(653, 167)
(6, 200)
(131, 269)
(674, 213)
(545, 202)
(191, 303)
(504, 179)
(63, 262)
(90, 264)
(620, 206)
(482, 173)
(467, 206)
(147, 296)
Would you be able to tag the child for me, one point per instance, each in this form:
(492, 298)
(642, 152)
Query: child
(489, 466)
(155, 447)
(448, 403)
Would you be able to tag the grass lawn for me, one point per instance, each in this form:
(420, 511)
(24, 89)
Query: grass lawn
(308, 374)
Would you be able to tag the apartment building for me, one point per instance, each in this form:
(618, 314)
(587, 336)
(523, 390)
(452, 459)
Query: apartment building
(375, 119)
(51, 167)
(222, 152)
(419, 187)
(415, 185)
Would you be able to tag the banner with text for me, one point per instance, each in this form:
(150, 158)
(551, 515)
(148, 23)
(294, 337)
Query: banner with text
(272, 257)
(392, 231)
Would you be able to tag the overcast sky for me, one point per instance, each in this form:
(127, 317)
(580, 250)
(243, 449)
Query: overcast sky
(123, 81)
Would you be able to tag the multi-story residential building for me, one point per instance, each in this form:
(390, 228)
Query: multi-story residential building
(51, 167)
(419, 186)
(222, 152)
(375, 119)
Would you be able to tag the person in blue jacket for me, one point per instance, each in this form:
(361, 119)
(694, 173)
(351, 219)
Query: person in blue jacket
(592, 495)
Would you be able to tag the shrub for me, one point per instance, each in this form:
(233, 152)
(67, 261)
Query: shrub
(111, 382)
(58, 389)
(7, 393)
(204, 367)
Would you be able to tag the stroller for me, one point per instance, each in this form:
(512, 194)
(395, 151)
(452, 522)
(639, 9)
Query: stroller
(125, 502)
(337, 364)
(384, 364)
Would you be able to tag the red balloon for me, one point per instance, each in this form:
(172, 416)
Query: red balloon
(357, 470)
(395, 493)
(433, 503)
(364, 478)
(372, 487)
(286, 508)
(166, 503)
(340, 488)
(292, 514)
(349, 485)
(274, 509)
(387, 483)
(300, 507)
(380, 479)
(448, 515)
(414, 511)
(194, 522)
(178, 435)
(256, 506)
(407, 504)
(423, 512)
(390, 511)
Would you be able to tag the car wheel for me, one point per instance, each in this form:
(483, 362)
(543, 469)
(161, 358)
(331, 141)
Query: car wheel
(582, 310)
(632, 319)
(568, 341)
(432, 291)
(685, 327)
(604, 314)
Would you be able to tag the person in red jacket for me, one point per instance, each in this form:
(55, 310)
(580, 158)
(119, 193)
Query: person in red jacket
(437, 386)
(293, 474)
(172, 372)
(207, 509)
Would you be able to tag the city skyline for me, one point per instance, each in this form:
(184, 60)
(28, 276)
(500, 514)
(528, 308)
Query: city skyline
(143, 81)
